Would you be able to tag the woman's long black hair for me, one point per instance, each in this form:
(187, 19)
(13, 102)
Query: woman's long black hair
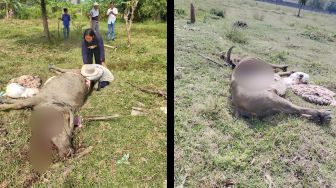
(89, 32)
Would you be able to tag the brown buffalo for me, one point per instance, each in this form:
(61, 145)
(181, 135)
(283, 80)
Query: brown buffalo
(256, 90)
(54, 109)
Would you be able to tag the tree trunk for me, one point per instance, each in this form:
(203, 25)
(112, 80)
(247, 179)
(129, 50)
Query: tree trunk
(192, 13)
(58, 30)
(6, 10)
(129, 16)
(128, 29)
(299, 10)
(45, 20)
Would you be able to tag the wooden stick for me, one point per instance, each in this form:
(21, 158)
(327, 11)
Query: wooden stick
(58, 31)
(94, 118)
(157, 92)
(84, 152)
(108, 46)
(212, 60)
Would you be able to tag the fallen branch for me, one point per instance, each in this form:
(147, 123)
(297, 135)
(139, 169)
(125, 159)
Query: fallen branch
(108, 46)
(157, 92)
(94, 118)
(212, 60)
(83, 152)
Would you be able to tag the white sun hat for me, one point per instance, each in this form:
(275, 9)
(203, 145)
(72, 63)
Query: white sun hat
(95, 4)
(92, 72)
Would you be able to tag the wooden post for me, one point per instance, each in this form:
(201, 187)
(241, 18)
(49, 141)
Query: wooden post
(192, 13)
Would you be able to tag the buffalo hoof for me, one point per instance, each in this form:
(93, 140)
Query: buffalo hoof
(323, 116)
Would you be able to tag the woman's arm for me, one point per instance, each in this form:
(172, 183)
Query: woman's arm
(84, 52)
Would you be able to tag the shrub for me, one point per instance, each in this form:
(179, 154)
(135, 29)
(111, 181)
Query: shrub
(2, 13)
(78, 28)
(179, 12)
(24, 13)
(333, 35)
(154, 9)
(318, 36)
(217, 12)
(236, 35)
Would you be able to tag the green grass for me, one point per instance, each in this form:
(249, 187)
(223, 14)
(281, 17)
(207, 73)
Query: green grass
(211, 145)
(24, 50)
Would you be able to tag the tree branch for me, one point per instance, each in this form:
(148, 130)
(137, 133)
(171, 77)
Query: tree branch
(212, 61)
(157, 92)
(98, 118)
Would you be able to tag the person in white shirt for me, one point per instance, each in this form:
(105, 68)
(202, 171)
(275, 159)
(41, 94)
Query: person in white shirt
(94, 13)
(112, 13)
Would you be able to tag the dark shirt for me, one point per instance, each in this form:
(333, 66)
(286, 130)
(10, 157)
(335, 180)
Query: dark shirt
(98, 42)
(66, 20)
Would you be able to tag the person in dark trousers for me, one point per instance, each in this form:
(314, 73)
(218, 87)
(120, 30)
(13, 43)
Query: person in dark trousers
(66, 23)
(94, 17)
(93, 45)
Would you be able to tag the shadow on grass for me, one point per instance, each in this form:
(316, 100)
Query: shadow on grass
(266, 122)
(40, 41)
(279, 119)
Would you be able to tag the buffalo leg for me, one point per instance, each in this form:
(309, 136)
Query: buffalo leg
(8, 100)
(19, 104)
(282, 67)
(282, 105)
(288, 73)
(58, 70)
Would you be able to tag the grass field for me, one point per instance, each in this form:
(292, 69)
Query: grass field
(212, 147)
(25, 51)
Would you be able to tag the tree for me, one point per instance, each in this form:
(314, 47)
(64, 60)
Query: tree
(56, 5)
(331, 6)
(302, 3)
(155, 9)
(315, 4)
(45, 20)
(13, 6)
(129, 16)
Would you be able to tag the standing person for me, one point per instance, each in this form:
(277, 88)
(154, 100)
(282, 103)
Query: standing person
(93, 15)
(93, 45)
(112, 13)
(66, 23)
(10, 13)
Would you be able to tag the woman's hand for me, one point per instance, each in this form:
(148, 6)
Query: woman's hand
(103, 63)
